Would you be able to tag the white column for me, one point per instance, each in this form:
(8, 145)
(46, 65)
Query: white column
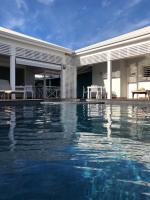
(44, 86)
(137, 76)
(13, 71)
(63, 83)
(123, 79)
(109, 79)
(75, 82)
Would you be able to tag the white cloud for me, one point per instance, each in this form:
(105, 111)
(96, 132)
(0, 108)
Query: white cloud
(142, 23)
(49, 37)
(84, 8)
(133, 3)
(15, 23)
(21, 4)
(106, 3)
(128, 27)
(17, 18)
(131, 26)
(126, 9)
(46, 2)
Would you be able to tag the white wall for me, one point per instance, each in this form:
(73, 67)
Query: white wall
(131, 87)
(140, 82)
(122, 85)
(115, 86)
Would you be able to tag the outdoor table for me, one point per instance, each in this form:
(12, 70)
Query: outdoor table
(145, 92)
(94, 88)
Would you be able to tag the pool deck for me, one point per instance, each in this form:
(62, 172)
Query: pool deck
(91, 101)
(121, 101)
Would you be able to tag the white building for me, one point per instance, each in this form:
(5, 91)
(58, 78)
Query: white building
(120, 64)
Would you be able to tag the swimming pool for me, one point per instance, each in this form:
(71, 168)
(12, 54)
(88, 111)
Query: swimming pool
(74, 151)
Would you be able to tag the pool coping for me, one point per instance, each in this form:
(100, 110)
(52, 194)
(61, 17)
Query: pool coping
(78, 101)
(18, 102)
(121, 101)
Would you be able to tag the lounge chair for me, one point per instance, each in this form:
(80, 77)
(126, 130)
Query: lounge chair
(5, 89)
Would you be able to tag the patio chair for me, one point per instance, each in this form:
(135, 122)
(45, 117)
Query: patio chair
(5, 88)
(95, 91)
(98, 92)
(29, 90)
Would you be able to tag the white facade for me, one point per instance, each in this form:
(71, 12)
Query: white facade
(118, 64)
(35, 54)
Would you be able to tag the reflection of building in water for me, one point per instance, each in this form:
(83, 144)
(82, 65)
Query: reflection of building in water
(111, 116)
(116, 120)
(69, 117)
(95, 110)
(109, 119)
(138, 120)
(11, 133)
(41, 132)
(28, 111)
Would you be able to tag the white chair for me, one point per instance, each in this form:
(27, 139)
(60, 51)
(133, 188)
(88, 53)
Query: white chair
(93, 91)
(29, 90)
(96, 91)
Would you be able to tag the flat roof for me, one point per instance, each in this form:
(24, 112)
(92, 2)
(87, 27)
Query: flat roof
(134, 35)
(7, 33)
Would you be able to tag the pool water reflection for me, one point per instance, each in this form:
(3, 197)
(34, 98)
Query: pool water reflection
(74, 151)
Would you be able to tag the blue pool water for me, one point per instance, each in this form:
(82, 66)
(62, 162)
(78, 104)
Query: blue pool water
(71, 151)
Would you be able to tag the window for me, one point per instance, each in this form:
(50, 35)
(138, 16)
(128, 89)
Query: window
(146, 71)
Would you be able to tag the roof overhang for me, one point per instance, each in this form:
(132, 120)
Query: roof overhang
(32, 63)
(19, 37)
(122, 40)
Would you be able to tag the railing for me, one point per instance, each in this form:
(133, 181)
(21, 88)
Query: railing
(47, 92)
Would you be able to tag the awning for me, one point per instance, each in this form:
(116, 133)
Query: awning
(26, 62)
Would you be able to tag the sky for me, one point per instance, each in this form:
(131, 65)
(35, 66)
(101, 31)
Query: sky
(74, 23)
